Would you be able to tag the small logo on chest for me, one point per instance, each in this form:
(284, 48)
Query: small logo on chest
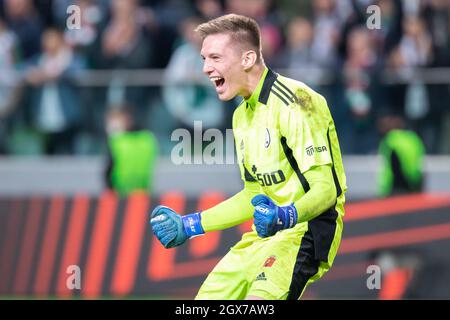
(267, 141)
(269, 262)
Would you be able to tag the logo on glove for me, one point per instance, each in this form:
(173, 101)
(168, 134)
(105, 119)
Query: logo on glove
(262, 209)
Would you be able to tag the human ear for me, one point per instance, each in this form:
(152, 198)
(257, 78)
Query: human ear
(248, 59)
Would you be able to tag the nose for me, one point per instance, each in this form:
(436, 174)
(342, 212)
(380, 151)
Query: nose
(207, 68)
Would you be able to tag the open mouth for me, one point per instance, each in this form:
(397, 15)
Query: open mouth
(218, 82)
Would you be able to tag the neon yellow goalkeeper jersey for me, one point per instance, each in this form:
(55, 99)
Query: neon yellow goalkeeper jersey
(283, 130)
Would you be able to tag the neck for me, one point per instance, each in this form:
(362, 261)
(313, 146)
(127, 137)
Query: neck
(252, 80)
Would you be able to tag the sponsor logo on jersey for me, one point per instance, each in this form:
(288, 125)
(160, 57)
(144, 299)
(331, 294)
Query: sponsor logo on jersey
(310, 150)
(268, 178)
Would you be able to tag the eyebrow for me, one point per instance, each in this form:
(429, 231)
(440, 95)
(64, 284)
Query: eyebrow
(211, 54)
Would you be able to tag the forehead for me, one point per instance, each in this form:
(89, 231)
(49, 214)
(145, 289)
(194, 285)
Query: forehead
(214, 43)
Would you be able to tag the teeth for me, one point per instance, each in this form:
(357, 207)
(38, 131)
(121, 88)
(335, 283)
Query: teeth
(215, 78)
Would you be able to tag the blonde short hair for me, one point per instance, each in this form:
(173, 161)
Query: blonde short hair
(243, 30)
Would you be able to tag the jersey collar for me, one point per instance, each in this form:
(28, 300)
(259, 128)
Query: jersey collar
(262, 90)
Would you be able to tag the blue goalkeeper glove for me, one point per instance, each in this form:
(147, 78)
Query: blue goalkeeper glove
(270, 218)
(173, 230)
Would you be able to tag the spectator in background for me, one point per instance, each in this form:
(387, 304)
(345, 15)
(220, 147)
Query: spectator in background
(415, 44)
(132, 153)
(389, 35)
(26, 23)
(436, 14)
(187, 93)
(297, 54)
(360, 90)
(54, 99)
(169, 13)
(266, 16)
(401, 154)
(124, 46)
(94, 10)
(208, 9)
(271, 42)
(263, 11)
(395, 92)
(8, 60)
(326, 24)
(414, 52)
(84, 40)
(236, 6)
(161, 20)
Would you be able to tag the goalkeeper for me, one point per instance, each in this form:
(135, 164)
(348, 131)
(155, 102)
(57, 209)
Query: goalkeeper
(290, 162)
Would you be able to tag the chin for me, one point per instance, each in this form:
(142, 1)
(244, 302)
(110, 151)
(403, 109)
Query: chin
(225, 97)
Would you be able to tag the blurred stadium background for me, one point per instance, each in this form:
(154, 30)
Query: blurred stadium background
(59, 87)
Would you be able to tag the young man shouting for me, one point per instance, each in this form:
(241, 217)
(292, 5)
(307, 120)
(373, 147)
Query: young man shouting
(290, 162)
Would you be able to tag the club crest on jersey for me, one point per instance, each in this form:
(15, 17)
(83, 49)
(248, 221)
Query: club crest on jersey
(269, 262)
(267, 141)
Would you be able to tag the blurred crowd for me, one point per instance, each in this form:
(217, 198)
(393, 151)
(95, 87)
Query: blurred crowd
(366, 74)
